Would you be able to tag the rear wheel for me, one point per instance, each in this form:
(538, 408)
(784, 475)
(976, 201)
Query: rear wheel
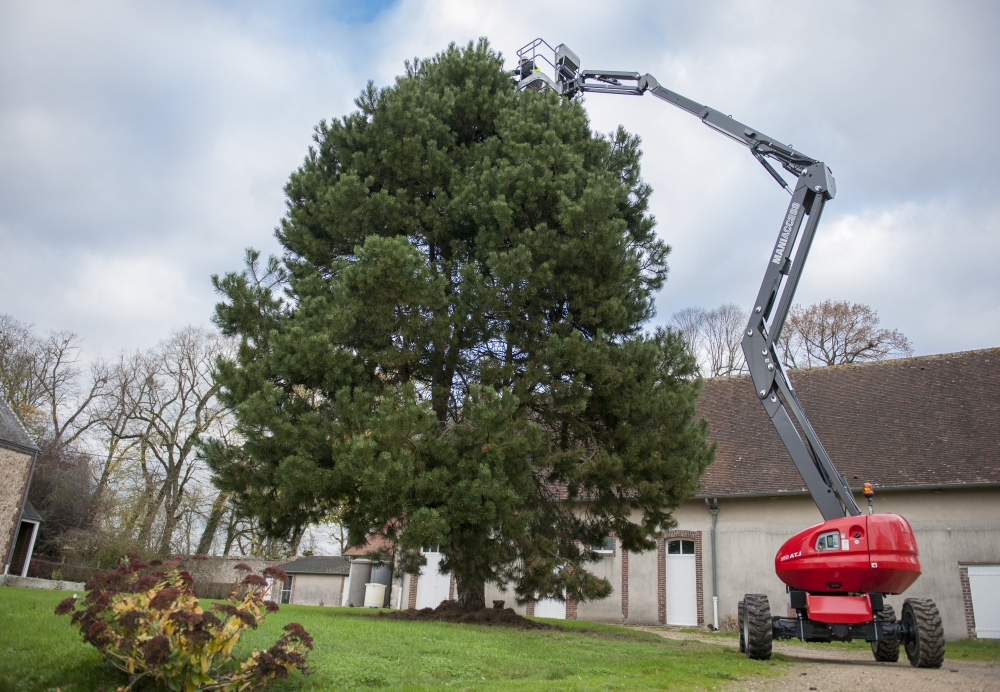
(925, 647)
(886, 651)
(756, 626)
(739, 619)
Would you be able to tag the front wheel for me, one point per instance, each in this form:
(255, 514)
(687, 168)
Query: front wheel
(925, 647)
(886, 651)
(756, 626)
(739, 620)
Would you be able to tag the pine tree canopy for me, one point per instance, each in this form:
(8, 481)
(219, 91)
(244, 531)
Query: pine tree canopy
(452, 350)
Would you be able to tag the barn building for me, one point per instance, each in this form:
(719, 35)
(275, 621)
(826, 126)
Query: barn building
(924, 431)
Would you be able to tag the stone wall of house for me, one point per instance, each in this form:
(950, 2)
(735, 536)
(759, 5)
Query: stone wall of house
(15, 470)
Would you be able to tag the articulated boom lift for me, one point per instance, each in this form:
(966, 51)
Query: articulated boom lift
(838, 572)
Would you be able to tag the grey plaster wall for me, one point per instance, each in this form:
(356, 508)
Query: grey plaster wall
(643, 584)
(607, 609)
(951, 527)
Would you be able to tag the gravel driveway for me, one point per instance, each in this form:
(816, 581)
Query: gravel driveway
(837, 670)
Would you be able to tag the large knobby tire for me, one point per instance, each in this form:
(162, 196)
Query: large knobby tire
(739, 621)
(757, 630)
(886, 651)
(925, 647)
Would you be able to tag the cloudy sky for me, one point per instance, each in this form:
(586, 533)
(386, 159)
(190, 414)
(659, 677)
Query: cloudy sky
(144, 145)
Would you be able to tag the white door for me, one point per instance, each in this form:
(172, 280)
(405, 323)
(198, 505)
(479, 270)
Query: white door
(432, 586)
(550, 608)
(682, 588)
(984, 582)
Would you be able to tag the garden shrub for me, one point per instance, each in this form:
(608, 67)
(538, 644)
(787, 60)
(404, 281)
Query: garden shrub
(146, 621)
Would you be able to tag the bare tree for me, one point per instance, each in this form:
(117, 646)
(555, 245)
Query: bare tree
(690, 322)
(20, 351)
(837, 333)
(58, 376)
(177, 405)
(713, 337)
(115, 415)
(723, 334)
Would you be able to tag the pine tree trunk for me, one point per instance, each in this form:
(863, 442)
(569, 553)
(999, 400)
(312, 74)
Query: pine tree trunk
(471, 593)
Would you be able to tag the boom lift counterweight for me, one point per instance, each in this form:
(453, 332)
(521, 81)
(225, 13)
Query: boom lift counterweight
(837, 572)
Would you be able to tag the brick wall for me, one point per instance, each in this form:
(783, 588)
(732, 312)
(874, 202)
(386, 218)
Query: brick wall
(570, 608)
(661, 580)
(970, 615)
(411, 601)
(624, 585)
(661, 572)
(15, 469)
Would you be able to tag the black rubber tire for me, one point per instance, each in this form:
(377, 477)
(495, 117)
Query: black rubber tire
(739, 620)
(886, 651)
(925, 649)
(757, 628)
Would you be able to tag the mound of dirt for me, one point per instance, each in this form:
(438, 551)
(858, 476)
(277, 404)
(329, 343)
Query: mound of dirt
(451, 611)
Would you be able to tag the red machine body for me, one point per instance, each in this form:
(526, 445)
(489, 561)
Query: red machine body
(874, 553)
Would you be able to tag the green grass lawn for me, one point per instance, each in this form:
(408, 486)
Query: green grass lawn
(354, 649)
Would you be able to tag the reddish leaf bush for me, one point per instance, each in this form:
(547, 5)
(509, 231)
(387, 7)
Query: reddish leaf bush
(146, 621)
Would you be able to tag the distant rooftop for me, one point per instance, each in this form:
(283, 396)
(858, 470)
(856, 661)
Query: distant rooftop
(318, 564)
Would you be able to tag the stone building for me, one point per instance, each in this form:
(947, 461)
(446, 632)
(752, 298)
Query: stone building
(924, 431)
(19, 521)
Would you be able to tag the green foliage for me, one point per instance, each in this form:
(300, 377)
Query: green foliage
(149, 624)
(452, 350)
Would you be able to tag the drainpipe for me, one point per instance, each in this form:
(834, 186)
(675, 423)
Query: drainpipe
(713, 507)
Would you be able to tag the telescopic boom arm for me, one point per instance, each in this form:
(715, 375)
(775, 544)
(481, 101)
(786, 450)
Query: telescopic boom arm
(814, 187)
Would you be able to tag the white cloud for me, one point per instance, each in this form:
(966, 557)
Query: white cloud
(143, 146)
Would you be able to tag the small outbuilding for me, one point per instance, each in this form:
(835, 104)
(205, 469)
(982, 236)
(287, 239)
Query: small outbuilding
(315, 580)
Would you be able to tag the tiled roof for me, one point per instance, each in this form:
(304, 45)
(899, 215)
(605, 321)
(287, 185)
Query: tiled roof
(373, 544)
(318, 564)
(11, 429)
(929, 421)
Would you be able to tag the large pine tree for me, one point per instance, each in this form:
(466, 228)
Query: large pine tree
(451, 352)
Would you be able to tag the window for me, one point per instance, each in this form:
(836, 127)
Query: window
(430, 549)
(828, 541)
(286, 590)
(606, 547)
(680, 547)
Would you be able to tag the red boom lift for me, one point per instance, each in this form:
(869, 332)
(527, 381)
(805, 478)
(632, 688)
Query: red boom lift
(836, 573)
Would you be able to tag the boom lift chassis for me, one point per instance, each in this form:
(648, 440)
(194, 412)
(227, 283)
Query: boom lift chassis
(836, 573)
